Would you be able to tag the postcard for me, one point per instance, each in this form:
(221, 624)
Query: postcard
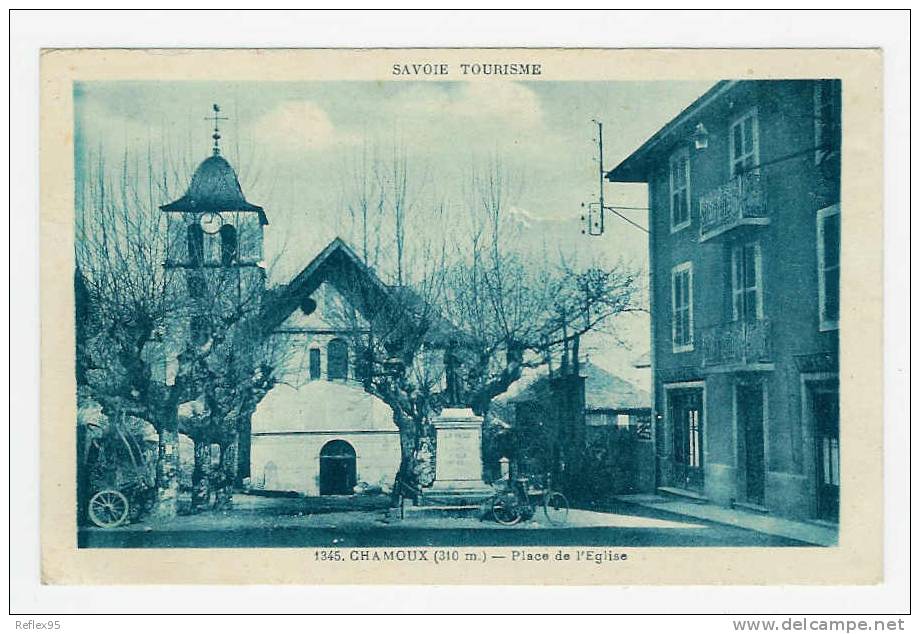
(461, 316)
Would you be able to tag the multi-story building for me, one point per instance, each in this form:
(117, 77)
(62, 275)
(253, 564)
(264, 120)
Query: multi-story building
(744, 244)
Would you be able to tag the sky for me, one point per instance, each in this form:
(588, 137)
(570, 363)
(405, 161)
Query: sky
(295, 146)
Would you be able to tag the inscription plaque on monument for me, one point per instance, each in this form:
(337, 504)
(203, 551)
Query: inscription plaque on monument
(458, 462)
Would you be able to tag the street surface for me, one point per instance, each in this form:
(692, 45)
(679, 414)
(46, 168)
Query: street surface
(312, 522)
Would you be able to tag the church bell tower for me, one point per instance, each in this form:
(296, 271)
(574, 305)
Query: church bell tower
(214, 245)
(215, 239)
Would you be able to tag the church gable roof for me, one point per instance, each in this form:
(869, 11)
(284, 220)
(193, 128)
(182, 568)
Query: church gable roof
(329, 312)
(358, 284)
(337, 264)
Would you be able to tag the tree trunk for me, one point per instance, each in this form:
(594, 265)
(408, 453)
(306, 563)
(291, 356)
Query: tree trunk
(201, 475)
(576, 351)
(244, 450)
(167, 503)
(408, 443)
(223, 490)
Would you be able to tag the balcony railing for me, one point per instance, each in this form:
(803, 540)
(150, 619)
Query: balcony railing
(740, 201)
(737, 343)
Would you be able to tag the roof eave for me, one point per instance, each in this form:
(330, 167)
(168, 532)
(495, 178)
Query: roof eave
(185, 205)
(634, 168)
(628, 172)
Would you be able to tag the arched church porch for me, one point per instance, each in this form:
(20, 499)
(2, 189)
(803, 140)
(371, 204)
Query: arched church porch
(322, 438)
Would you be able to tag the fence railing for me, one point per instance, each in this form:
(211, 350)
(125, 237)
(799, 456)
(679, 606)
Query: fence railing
(729, 205)
(737, 342)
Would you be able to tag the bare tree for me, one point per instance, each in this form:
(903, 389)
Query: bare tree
(380, 190)
(364, 200)
(402, 187)
(398, 338)
(135, 356)
(468, 312)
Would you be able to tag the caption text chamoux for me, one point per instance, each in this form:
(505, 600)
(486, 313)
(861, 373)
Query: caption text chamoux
(432, 69)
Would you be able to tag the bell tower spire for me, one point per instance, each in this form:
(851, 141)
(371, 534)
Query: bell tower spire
(216, 118)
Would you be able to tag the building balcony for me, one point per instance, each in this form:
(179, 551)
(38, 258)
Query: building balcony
(738, 345)
(738, 203)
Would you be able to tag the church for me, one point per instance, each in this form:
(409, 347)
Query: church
(317, 432)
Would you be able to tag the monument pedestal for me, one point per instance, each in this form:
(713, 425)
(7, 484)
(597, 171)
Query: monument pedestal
(458, 456)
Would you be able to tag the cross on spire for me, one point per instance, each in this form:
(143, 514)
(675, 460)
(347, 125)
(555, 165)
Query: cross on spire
(216, 118)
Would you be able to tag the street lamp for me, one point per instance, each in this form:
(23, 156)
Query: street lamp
(700, 137)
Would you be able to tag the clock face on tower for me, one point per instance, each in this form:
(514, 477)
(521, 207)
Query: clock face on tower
(210, 222)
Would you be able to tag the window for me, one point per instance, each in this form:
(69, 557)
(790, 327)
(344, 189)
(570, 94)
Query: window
(595, 419)
(685, 420)
(314, 364)
(827, 118)
(830, 460)
(228, 245)
(623, 421)
(745, 150)
(682, 307)
(680, 189)
(195, 239)
(747, 282)
(829, 267)
(337, 360)
(693, 438)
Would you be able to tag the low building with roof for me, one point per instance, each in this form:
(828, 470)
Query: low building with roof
(588, 424)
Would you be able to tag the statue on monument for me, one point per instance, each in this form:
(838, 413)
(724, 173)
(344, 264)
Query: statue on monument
(454, 391)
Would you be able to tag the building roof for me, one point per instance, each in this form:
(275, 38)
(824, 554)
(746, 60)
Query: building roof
(603, 391)
(336, 257)
(634, 168)
(214, 187)
(358, 283)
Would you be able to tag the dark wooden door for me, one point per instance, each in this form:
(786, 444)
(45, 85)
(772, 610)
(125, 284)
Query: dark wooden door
(337, 468)
(826, 407)
(750, 420)
(687, 416)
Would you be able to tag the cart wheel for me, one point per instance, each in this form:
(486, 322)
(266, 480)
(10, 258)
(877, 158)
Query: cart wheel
(108, 508)
(505, 510)
(556, 508)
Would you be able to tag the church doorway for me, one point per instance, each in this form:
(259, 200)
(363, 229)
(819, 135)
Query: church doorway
(337, 468)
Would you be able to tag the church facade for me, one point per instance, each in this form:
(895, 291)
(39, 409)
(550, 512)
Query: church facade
(317, 432)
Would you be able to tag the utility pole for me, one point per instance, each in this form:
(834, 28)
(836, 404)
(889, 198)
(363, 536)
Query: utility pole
(600, 169)
(594, 219)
